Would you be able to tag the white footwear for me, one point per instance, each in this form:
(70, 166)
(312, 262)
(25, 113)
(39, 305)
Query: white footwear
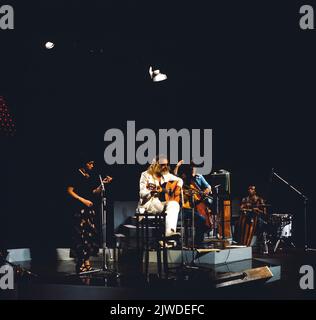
(172, 234)
(168, 244)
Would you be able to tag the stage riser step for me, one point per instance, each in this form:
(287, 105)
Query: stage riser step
(212, 258)
(62, 254)
(174, 256)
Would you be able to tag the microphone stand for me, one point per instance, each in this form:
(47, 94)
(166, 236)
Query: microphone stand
(182, 227)
(217, 213)
(103, 233)
(192, 264)
(185, 265)
(306, 248)
(103, 225)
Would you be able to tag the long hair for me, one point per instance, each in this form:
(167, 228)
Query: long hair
(154, 169)
(185, 173)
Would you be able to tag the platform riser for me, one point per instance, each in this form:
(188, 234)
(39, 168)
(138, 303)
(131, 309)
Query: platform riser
(212, 258)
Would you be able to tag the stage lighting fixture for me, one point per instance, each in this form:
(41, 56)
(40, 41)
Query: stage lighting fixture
(156, 75)
(49, 45)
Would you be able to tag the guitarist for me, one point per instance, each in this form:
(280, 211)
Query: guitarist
(203, 202)
(151, 180)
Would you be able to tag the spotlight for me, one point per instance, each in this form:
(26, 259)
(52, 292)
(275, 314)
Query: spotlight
(49, 45)
(156, 75)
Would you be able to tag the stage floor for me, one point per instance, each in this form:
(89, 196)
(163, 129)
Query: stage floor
(56, 280)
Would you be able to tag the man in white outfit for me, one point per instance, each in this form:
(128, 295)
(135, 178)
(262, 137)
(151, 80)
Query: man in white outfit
(156, 175)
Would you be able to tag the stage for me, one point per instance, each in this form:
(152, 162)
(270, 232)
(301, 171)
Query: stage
(145, 126)
(57, 280)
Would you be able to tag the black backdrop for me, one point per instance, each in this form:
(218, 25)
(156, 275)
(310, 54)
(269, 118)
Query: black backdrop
(245, 70)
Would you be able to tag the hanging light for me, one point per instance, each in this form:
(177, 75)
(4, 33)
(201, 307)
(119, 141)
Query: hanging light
(156, 75)
(49, 45)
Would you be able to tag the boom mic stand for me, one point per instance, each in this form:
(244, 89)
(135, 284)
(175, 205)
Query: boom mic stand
(306, 248)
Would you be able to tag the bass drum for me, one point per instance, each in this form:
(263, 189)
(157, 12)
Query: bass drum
(280, 225)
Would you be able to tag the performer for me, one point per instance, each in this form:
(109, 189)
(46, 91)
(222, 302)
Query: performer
(202, 191)
(157, 175)
(82, 189)
(252, 214)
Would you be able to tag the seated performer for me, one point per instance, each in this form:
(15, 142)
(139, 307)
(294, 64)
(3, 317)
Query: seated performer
(82, 188)
(150, 181)
(196, 185)
(252, 214)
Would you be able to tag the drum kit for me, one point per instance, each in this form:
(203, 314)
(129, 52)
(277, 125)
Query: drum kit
(273, 229)
(279, 230)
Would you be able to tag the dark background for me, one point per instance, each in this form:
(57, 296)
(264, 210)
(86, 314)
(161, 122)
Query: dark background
(244, 69)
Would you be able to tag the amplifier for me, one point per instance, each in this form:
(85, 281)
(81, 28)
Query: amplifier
(221, 178)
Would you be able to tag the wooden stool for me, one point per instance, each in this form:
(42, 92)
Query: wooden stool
(157, 222)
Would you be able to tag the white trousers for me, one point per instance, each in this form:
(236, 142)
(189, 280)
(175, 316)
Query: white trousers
(172, 208)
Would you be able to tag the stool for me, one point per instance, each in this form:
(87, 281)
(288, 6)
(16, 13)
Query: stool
(157, 222)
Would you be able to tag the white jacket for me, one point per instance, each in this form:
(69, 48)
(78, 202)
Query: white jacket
(146, 178)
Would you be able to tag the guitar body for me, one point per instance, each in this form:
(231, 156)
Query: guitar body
(169, 191)
(172, 191)
(204, 212)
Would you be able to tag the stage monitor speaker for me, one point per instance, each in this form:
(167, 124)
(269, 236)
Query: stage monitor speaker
(238, 278)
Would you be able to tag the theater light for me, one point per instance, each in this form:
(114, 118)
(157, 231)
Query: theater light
(156, 75)
(49, 45)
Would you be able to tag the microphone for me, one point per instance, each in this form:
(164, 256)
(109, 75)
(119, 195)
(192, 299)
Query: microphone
(102, 184)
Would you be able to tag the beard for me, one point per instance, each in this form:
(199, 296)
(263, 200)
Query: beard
(165, 170)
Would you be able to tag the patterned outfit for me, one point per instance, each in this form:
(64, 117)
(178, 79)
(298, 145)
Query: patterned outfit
(250, 221)
(84, 237)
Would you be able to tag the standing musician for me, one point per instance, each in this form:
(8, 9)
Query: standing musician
(82, 189)
(197, 193)
(151, 184)
(253, 212)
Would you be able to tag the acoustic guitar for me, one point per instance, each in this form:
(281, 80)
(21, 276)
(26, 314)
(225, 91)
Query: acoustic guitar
(170, 190)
